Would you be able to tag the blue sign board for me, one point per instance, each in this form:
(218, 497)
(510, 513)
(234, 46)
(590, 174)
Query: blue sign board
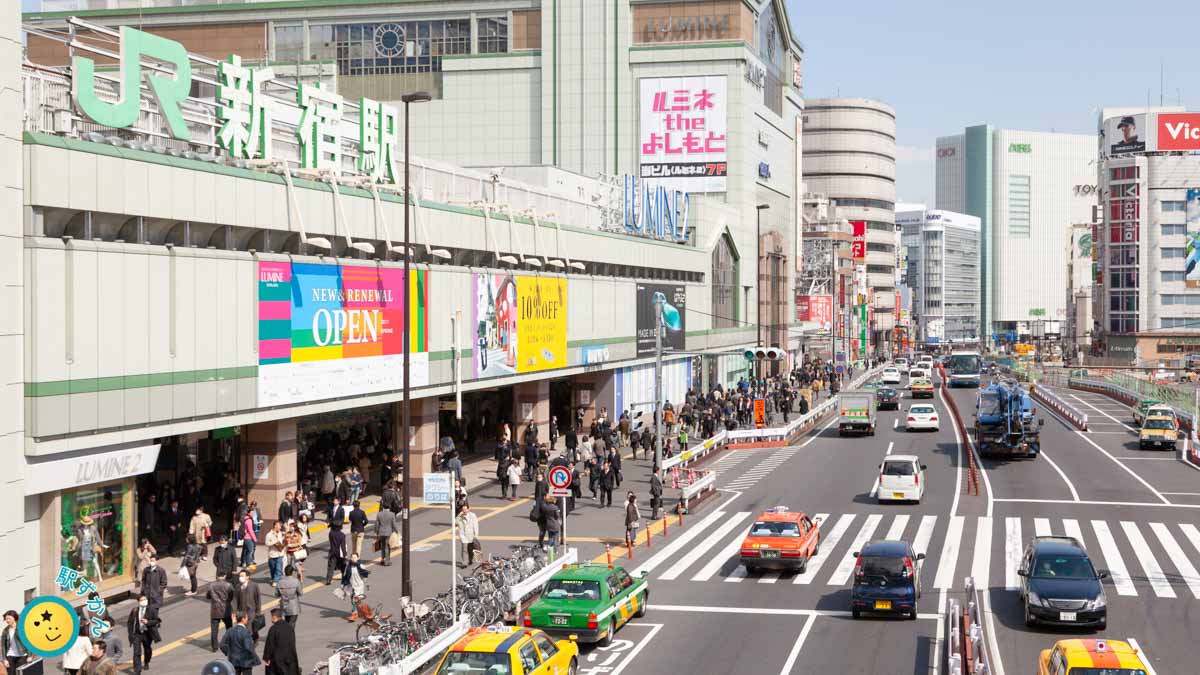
(764, 170)
(437, 488)
(594, 354)
(654, 211)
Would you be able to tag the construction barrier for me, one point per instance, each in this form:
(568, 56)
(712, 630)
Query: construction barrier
(518, 592)
(971, 486)
(966, 640)
(1058, 405)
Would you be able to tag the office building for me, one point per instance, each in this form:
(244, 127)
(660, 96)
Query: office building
(941, 250)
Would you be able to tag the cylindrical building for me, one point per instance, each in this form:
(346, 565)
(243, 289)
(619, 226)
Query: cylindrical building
(850, 155)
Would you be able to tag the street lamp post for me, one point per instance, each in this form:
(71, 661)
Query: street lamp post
(758, 271)
(406, 416)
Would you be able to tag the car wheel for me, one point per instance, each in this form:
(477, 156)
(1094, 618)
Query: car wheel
(608, 637)
(641, 611)
(912, 616)
(751, 569)
(573, 668)
(804, 565)
(1030, 620)
(855, 614)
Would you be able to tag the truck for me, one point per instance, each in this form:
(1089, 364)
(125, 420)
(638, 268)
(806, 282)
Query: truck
(856, 412)
(1006, 422)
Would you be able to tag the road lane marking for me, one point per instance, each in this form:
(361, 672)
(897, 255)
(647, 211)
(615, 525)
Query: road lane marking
(677, 543)
(1192, 534)
(981, 565)
(1122, 465)
(1104, 413)
(1112, 559)
(1071, 527)
(841, 574)
(1012, 553)
(896, 531)
(1092, 502)
(655, 627)
(712, 540)
(875, 487)
(1141, 549)
(1041, 527)
(826, 546)
(818, 434)
(1145, 658)
(791, 659)
(895, 422)
(714, 565)
(949, 558)
(1071, 487)
(763, 611)
(924, 534)
(1187, 571)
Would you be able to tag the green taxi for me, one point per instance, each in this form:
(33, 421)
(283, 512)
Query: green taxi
(588, 600)
(1139, 410)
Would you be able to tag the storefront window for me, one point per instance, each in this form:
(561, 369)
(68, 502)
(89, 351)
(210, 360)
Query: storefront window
(96, 537)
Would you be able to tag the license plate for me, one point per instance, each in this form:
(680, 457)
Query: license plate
(1066, 616)
(559, 620)
(770, 554)
(883, 604)
(897, 495)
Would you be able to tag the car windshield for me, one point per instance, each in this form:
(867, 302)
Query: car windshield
(1088, 670)
(475, 663)
(876, 567)
(887, 391)
(903, 468)
(964, 364)
(775, 529)
(989, 404)
(921, 410)
(1159, 424)
(921, 382)
(1063, 567)
(572, 589)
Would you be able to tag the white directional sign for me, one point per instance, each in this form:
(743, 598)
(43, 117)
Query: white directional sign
(437, 488)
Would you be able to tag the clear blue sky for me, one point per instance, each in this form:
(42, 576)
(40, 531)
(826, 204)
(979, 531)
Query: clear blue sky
(1043, 66)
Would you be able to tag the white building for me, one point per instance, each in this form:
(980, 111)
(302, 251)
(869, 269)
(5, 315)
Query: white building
(1026, 188)
(942, 271)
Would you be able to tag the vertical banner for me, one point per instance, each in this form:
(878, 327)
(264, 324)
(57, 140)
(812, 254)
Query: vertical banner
(674, 317)
(1192, 261)
(681, 132)
(760, 413)
(329, 331)
(520, 324)
(858, 247)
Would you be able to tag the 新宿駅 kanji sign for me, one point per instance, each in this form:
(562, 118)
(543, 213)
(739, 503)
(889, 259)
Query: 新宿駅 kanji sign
(682, 132)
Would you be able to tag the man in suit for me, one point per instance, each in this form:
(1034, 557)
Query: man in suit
(239, 648)
(224, 557)
(286, 509)
(385, 525)
(337, 512)
(142, 624)
(289, 589)
(358, 527)
(656, 493)
(337, 551)
(248, 599)
(220, 608)
(279, 653)
(154, 582)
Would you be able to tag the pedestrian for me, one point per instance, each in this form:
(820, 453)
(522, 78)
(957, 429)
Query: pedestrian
(99, 663)
(220, 607)
(468, 534)
(553, 432)
(145, 551)
(614, 461)
(454, 465)
(327, 484)
(279, 652)
(593, 469)
(354, 584)
(224, 557)
(247, 598)
(249, 539)
(633, 518)
(78, 653)
(390, 499)
(514, 480)
(11, 645)
(276, 542)
(553, 524)
(286, 508)
(154, 581)
(656, 493)
(296, 547)
(336, 557)
(385, 530)
(460, 495)
(358, 527)
(288, 590)
(200, 527)
(191, 562)
(572, 442)
(356, 484)
(238, 647)
(175, 531)
(142, 624)
(606, 482)
(343, 490)
(148, 519)
(502, 476)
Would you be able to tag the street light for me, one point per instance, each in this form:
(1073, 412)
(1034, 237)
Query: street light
(758, 272)
(406, 415)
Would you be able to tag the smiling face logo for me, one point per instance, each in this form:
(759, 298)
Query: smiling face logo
(48, 626)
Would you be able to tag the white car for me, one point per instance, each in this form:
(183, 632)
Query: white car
(921, 417)
(918, 373)
(891, 376)
(901, 478)
(902, 365)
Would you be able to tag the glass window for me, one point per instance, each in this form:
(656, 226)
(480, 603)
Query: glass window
(1173, 207)
(529, 657)
(1018, 205)
(867, 203)
(1169, 253)
(772, 528)
(1063, 567)
(545, 646)
(724, 285)
(95, 531)
(493, 36)
(475, 662)
(321, 45)
(1173, 276)
(1169, 230)
(571, 589)
(289, 43)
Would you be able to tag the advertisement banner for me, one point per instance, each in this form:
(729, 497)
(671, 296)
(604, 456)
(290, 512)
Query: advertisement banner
(859, 245)
(681, 132)
(802, 308)
(1178, 131)
(1081, 250)
(1192, 260)
(817, 309)
(674, 317)
(520, 324)
(1128, 134)
(329, 331)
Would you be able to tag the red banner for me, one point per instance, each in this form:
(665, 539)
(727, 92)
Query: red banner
(859, 246)
(1178, 131)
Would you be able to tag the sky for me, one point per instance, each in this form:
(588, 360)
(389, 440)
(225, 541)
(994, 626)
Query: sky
(1019, 64)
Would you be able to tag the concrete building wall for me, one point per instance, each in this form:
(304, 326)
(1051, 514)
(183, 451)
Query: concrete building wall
(1167, 300)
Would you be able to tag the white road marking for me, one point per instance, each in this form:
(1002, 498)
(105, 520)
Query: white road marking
(841, 574)
(791, 659)
(940, 636)
(1141, 549)
(981, 566)
(1113, 559)
(875, 487)
(949, 559)
(1012, 553)
(818, 434)
(895, 422)
(1103, 413)
(769, 611)
(1071, 527)
(1192, 534)
(1187, 571)
(1074, 494)
(1142, 653)
(714, 565)
(700, 549)
(1170, 505)
(959, 435)
(1184, 494)
(825, 547)
(737, 575)
(655, 627)
(896, 531)
(1041, 527)
(677, 543)
(924, 534)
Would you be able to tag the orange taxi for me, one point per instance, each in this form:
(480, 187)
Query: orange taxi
(1080, 657)
(781, 540)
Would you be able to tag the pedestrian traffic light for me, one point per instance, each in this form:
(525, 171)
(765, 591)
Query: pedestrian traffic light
(764, 354)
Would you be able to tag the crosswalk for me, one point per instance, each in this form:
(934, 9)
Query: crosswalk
(1143, 559)
(765, 467)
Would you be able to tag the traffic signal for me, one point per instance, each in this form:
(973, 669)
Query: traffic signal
(764, 354)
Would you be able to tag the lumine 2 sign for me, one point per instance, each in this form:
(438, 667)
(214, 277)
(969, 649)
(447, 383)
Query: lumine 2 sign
(244, 110)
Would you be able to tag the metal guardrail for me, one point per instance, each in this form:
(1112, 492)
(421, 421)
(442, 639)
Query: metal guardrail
(534, 583)
(697, 487)
(966, 639)
(1127, 396)
(1058, 405)
(697, 452)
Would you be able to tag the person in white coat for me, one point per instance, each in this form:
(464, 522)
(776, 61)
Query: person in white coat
(514, 480)
(77, 655)
(468, 534)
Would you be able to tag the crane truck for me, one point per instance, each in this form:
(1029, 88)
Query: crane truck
(1005, 422)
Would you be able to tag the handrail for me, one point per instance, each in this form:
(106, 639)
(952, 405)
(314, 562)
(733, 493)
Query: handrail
(534, 583)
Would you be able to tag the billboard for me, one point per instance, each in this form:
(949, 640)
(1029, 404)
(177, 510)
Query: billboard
(681, 132)
(520, 324)
(1128, 134)
(329, 331)
(859, 245)
(1081, 253)
(674, 317)
(1192, 261)
(1178, 131)
(817, 309)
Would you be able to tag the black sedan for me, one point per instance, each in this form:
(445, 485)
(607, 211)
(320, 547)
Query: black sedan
(1059, 584)
(887, 398)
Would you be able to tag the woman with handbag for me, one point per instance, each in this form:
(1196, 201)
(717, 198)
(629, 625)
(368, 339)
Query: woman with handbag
(633, 517)
(514, 480)
(468, 534)
(191, 562)
(201, 529)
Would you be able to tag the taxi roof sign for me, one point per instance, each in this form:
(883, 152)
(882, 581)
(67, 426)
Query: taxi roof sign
(778, 509)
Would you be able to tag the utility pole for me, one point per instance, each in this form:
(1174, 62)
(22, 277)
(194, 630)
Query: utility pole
(658, 388)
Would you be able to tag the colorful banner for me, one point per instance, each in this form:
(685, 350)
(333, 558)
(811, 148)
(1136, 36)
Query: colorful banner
(858, 247)
(520, 324)
(682, 131)
(817, 309)
(1192, 218)
(329, 331)
(674, 317)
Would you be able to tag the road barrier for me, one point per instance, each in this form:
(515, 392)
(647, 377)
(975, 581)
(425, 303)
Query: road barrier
(966, 640)
(697, 488)
(1058, 405)
(697, 452)
(971, 486)
(418, 660)
(519, 592)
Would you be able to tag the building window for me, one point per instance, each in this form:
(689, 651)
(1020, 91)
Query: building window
(881, 248)
(866, 203)
(724, 285)
(1173, 276)
(289, 43)
(1124, 173)
(1174, 253)
(493, 36)
(1190, 299)
(1179, 322)
(390, 47)
(97, 536)
(1173, 207)
(1122, 324)
(880, 269)
(1018, 205)
(1169, 230)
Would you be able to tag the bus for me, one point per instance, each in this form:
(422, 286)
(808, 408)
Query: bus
(964, 368)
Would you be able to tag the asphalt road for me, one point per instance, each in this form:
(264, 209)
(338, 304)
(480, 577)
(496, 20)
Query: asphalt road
(1135, 511)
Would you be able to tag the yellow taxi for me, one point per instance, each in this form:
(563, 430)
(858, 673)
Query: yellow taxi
(508, 650)
(781, 540)
(1091, 657)
(921, 388)
(1158, 431)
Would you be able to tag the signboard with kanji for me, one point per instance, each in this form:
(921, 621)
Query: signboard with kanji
(681, 134)
(760, 413)
(859, 244)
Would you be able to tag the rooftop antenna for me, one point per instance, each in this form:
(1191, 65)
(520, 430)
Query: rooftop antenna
(1161, 69)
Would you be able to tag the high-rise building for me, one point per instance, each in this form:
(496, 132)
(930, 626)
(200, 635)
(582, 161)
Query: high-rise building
(1026, 188)
(1077, 330)
(942, 264)
(850, 155)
